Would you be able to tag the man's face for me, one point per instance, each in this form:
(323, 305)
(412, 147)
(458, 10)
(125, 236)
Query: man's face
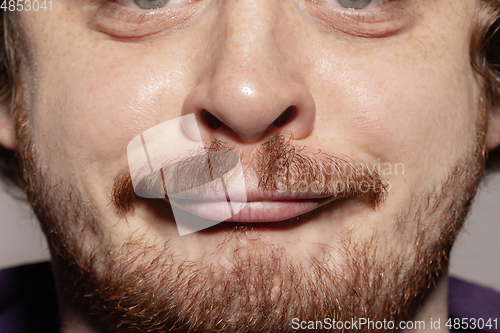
(389, 85)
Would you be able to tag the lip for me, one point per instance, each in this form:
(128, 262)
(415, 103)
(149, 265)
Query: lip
(260, 207)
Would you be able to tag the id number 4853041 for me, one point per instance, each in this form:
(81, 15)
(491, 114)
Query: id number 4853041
(26, 5)
(472, 323)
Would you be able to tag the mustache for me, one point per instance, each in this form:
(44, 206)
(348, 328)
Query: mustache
(195, 172)
(277, 164)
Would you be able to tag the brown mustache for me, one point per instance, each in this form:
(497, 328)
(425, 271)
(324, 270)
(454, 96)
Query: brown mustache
(195, 172)
(277, 164)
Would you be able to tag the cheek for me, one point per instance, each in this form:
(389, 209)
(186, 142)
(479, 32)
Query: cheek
(407, 110)
(400, 104)
(367, 119)
(94, 111)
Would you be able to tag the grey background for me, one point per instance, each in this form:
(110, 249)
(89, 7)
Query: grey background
(474, 258)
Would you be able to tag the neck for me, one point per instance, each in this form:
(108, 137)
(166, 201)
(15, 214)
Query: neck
(433, 313)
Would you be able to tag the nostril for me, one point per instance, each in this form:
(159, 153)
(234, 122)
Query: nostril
(210, 120)
(287, 116)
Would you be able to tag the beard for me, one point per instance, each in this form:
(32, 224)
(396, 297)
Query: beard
(144, 286)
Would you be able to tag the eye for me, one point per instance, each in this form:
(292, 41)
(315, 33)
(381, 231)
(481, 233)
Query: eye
(149, 4)
(358, 4)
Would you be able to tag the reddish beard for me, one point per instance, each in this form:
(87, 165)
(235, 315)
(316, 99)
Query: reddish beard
(142, 287)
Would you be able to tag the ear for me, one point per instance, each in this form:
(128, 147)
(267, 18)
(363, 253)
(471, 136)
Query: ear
(7, 128)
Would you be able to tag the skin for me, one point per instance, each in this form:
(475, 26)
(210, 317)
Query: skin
(400, 90)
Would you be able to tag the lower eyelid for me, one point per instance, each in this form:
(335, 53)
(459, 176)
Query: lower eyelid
(121, 22)
(385, 22)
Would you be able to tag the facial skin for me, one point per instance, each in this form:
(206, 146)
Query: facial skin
(388, 84)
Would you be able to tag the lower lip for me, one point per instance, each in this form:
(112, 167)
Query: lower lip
(251, 212)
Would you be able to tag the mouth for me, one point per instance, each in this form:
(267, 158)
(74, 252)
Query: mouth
(260, 206)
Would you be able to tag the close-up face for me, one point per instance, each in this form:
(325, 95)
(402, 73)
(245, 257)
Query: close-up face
(383, 84)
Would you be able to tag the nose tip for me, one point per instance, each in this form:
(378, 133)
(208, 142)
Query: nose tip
(251, 112)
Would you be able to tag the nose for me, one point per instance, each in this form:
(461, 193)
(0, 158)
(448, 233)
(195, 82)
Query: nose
(249, 84)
